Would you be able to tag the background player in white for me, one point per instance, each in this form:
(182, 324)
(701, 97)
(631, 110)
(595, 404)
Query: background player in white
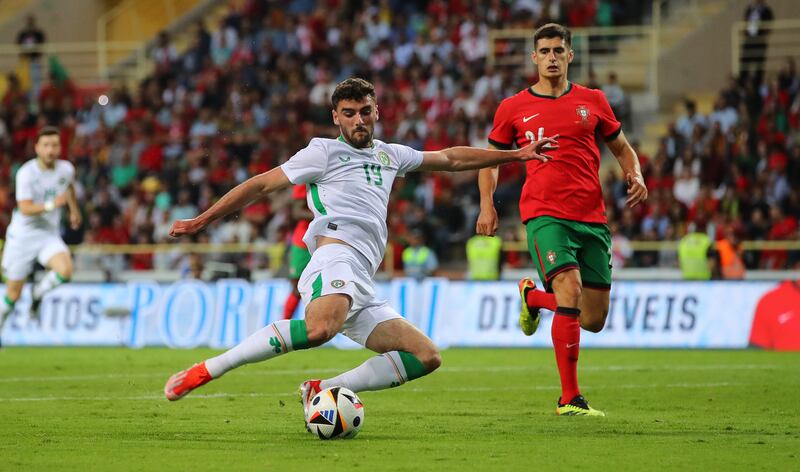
(349, 181)
(43, 186)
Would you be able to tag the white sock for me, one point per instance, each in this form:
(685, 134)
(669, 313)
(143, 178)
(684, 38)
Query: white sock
(50, 281)
(384, 371)
(6, 307)
(270, 341)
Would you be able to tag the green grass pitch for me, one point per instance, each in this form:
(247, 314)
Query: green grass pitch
(486, 409)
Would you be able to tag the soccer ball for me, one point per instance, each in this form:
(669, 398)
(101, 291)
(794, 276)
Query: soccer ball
(335, 413)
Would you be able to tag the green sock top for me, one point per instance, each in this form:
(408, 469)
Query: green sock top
(413, 366)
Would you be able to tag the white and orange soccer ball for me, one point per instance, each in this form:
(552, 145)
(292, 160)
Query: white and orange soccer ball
(335, 413)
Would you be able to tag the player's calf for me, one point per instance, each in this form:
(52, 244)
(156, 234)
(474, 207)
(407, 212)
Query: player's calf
(50, 281)
(387, 370)
(594, 309)
(594, 324)
(406, 354)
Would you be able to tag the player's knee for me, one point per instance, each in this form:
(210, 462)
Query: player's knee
(431, 359)
(65, 273)
(570, 291)
(319, 334)
(14, 291)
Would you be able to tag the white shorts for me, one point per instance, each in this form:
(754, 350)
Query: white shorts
(338, 268)
(21, 251)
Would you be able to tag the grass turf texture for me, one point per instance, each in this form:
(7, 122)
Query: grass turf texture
(103, 409)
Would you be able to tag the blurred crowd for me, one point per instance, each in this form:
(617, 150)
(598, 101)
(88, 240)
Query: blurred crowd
(250, 91)
(733, 173)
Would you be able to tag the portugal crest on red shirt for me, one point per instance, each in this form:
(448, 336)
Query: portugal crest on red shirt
(583, 113)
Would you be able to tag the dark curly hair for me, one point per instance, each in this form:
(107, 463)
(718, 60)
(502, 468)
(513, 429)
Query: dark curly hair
(352, 89)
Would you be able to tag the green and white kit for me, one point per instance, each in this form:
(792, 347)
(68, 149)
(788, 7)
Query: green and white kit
(349, 194)
(36, 237)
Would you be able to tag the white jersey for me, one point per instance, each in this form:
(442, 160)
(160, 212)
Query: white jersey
(348, 190)
(40, 185)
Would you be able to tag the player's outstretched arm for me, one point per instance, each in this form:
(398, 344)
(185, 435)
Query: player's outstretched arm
(468, 158)
(629, 161)
(254, 188)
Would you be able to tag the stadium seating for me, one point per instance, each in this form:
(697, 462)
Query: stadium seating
(250, 91)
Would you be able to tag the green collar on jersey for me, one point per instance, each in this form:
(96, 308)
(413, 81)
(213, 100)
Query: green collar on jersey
(551, 97)
(341, 138)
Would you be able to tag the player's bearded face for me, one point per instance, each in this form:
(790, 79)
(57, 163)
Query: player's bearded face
(552, 57)
(48, 148)
(356, 120)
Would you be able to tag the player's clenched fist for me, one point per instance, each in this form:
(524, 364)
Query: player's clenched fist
(487, 222)
(637, 191)
(184, 227)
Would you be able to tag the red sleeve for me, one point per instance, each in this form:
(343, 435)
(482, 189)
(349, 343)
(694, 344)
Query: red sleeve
(299, 192)
(502, 135)
(608, 124)
(760, 332)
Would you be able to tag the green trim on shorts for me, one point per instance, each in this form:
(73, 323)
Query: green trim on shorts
(413, 366)
(557, 245)
(299, 334)
(315, 198)
(316, 287)
(299, 257)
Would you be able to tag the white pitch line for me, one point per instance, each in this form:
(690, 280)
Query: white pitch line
(531, 368)
(412, 390)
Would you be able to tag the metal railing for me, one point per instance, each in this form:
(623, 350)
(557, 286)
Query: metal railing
(272, 254)
(84, 60)
(781, 42)
(140, 21)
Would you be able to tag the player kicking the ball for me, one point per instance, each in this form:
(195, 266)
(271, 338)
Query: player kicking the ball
(349, 180)
(562, 203)
(43, 187)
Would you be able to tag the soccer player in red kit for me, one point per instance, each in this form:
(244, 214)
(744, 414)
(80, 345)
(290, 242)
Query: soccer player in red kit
(776, 323)
(562, 203)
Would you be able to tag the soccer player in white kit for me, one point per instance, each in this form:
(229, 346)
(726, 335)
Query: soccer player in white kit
(43, 186)
(349, 180)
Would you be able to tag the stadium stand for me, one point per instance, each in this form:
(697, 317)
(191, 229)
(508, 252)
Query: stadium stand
(249, 92)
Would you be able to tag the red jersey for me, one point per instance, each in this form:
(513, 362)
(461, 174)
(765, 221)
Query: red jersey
(299, 193)
(567, 186)
(776, 324)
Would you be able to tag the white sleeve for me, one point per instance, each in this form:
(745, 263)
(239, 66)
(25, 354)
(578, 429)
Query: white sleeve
(69, 171)
(408, 159)
(24, 183)
(308, 165)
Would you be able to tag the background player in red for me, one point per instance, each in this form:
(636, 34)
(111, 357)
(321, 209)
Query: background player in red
(298, 252)
(562, 202)
(776, 323)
